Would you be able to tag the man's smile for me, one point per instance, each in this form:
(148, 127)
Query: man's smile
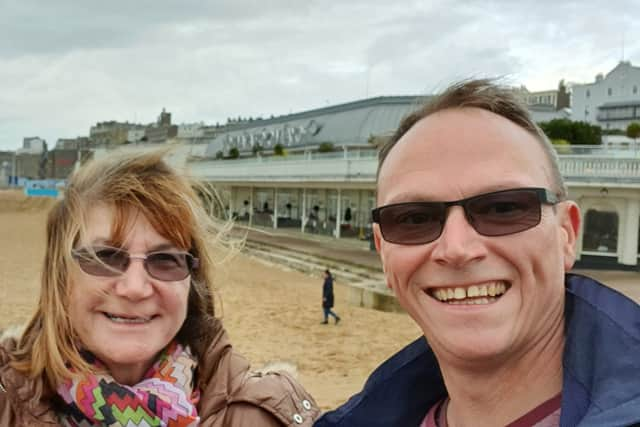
(483, 293)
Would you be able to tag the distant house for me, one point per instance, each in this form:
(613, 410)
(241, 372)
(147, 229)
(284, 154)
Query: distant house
(612, 101)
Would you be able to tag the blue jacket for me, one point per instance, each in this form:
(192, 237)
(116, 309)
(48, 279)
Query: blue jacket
(327, 292)
(601, 384)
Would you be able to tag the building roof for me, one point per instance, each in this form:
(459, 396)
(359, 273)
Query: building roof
(351, 123)
(632, 103)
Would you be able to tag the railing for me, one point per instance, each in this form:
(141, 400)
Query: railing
(604, 150)
(600, 169)
(290, 170)
(609, 163)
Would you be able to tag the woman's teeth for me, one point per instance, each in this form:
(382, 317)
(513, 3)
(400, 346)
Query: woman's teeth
(119, 319)
(474, 294)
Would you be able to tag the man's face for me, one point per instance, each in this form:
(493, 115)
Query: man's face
(455, 154)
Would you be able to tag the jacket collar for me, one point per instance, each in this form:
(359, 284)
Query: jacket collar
(601, 363)
(601, 369)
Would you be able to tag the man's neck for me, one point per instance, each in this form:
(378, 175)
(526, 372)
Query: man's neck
(509, 390)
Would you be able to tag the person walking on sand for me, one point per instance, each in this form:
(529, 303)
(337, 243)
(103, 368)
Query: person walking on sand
(327, 298)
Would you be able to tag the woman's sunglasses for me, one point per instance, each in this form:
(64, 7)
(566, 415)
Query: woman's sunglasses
(491, 214)
(112, 262)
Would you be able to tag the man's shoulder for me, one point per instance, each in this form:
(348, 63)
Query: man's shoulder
(601, 363)
(396, 393)
(594, 304)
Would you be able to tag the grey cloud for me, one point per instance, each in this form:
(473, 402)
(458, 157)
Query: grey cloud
(66, 65)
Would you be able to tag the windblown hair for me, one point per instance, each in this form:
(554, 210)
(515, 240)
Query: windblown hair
(484, 94)
(130, 184)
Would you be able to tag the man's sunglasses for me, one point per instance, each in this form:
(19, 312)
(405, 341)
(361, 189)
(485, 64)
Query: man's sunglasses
(112, 262)
(491, 214)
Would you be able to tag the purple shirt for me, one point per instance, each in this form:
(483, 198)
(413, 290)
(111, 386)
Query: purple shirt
(546, 414)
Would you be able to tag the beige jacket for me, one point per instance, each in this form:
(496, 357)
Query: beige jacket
(231, 395)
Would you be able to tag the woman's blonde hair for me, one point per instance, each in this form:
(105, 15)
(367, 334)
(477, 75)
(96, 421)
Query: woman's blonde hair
(130, 184)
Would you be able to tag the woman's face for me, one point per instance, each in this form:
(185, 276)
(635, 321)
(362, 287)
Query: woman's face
(126, 320)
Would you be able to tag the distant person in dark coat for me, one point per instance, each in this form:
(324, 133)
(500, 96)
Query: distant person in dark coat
(327, 298)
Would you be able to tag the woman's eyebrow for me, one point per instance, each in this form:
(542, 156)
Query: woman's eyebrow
(162, 247)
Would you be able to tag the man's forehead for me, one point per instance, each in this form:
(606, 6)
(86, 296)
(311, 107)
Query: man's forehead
(467, 140)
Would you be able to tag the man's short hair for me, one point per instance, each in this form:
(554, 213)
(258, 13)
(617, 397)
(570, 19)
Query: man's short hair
(486, 95)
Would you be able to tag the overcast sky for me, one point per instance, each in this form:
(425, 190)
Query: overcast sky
(65, 65)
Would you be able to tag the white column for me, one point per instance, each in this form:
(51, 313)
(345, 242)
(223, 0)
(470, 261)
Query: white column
(250, 205)
(275, 207)
(231, 203)
(339, 214)
(303, 218)
(630, 248)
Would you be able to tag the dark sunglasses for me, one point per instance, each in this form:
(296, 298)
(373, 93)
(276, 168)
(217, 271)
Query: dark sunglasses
(111, 262)
(492, 214)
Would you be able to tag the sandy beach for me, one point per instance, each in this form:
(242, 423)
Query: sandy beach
(271, 314)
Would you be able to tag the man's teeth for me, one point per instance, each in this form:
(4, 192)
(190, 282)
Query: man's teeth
(119, 319)
(474, 294)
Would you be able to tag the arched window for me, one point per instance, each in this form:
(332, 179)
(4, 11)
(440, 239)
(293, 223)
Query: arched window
(601, 231)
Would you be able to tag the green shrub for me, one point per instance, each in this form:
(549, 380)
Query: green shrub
(325, 147)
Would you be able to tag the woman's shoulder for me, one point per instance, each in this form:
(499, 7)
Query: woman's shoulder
(8, 342)
(237, 393)
(279, 392)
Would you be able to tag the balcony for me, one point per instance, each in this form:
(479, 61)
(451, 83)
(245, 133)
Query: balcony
(578, 164)
(345, 167)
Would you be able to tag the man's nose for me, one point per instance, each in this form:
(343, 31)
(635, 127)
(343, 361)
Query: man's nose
(459, 242)
(135, 282)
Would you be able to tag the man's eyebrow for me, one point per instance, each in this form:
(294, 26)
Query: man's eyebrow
(410, 197)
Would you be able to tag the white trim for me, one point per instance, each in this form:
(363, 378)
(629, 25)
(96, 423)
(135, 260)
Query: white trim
(602, 254)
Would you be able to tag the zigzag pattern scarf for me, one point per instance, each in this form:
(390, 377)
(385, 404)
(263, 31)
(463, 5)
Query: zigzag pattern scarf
(164, 398)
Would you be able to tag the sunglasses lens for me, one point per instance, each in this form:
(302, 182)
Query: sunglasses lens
(412, 223)
(106, 262)
(169, 266)
(505, 212)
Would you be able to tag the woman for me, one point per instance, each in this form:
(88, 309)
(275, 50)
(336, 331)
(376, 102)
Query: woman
(327, 298)
(125, 333)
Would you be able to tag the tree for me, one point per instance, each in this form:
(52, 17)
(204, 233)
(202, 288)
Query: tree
(234, 153)
(581, 133)
(278, 150)
(633, 130)
(562, 146)
(325, 147)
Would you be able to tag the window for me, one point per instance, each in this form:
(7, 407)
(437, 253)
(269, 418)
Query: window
(588, 93)
(635, 89)
(601, 232)
(609, 91)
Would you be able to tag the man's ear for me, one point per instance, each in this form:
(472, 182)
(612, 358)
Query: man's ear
(570, 223)
(377, 239)
(377, 236)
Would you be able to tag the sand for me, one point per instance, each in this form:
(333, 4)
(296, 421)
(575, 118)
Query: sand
(271, 314)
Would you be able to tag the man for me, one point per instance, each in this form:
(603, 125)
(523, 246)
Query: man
(476, 236)
(327, 298)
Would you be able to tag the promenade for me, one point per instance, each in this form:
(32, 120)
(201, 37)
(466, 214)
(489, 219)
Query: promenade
(357, 252)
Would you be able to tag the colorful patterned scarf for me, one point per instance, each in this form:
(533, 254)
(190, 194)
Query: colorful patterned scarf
(164, 398)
